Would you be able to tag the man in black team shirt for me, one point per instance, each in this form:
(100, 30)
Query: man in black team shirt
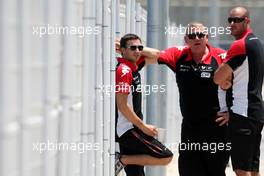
(137, 145)
(243, 67)
(204, 123)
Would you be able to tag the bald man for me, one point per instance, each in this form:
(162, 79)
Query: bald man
(243, 69)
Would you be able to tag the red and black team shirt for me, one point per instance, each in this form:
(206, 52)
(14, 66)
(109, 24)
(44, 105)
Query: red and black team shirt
(199, 98)
(128, 81)
(246, 58)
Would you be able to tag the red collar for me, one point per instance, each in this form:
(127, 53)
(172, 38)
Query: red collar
(128, 63)
(248, 31)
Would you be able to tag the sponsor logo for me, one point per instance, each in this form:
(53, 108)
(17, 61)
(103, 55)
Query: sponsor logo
(125, 70)
(205, 75)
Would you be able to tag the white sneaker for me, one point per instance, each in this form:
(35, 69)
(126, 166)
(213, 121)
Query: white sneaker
(118, 164)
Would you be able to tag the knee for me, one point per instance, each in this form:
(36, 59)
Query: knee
(242, 173)
(255, 174)
(166, 161)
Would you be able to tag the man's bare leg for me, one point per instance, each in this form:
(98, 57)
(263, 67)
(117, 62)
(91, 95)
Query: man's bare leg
(255, 174)
(242, 173)
(144, 160)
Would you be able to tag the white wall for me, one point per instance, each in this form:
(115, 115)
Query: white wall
(41, 88)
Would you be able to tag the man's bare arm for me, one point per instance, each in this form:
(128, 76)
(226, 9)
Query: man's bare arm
(223, 74)
(126, 110)
(151, 55)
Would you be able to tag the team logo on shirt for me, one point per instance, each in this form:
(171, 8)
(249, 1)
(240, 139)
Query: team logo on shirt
(205, 75)
(206, 68)
(125, 70)
(184, 68)
(136, 80)
(253, 38)
(181, 47)
(222, 56)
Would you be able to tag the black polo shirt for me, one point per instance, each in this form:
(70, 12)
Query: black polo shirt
(246, 58)
(199, 99)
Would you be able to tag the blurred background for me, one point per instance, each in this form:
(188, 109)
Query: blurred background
(57, 75)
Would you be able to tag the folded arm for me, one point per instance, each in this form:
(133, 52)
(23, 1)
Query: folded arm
(223, 76)
(151, 55)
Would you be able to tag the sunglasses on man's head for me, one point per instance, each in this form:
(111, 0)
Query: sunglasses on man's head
(235, 19)
(134, 47)
(192, 36)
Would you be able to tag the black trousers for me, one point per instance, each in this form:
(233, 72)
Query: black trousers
(245, 136)
(204, 149)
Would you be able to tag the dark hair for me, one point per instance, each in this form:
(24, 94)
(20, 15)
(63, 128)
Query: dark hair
(127, 37)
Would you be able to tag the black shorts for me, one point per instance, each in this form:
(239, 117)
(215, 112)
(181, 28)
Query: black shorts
(204, 149)
(135, 142)
(245, 137)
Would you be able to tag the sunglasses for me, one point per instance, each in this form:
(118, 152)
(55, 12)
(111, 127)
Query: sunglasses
(134, 47)
(192, 36)
(235, 19)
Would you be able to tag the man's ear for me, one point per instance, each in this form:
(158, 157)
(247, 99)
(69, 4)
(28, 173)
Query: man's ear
(122, 50)
(206, 37)
(185, 39)
(247, 20)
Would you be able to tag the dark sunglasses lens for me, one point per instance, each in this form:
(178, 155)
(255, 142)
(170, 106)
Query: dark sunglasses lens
(192, 36)
(140, 48)
(200, 35)
(134, 47)
(235, 20)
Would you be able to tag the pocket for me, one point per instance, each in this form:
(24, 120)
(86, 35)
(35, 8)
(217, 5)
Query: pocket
(244, 131)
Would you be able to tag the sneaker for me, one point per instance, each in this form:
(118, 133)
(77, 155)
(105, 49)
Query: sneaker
(118, 164)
